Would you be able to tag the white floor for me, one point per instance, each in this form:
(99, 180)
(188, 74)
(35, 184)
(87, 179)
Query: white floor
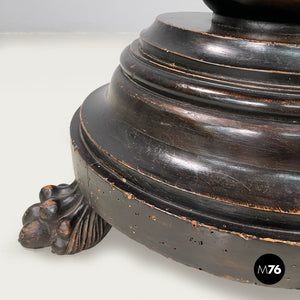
(43, 80)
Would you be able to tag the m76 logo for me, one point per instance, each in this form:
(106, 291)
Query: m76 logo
(269, 269)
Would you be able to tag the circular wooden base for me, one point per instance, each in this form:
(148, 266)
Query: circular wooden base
(192, 150)
(171, 229)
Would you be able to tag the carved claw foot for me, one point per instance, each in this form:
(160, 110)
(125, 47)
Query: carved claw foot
(63, 220)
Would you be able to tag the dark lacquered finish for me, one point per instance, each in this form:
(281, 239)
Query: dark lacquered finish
(207, 128)
(193, 148)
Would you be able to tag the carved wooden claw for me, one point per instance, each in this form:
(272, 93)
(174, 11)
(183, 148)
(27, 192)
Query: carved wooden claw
(63, 220)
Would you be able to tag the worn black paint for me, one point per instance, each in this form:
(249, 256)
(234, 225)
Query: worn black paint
(193, 148)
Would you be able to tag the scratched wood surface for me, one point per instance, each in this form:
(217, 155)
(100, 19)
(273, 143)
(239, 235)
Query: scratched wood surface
(193, 148)
(201, 123)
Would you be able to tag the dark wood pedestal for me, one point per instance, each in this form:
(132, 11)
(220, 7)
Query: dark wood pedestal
(193, 149)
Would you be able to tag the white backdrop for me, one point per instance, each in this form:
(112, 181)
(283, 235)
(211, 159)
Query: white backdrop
(86, 15)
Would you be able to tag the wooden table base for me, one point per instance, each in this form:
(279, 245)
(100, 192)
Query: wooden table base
(192, 150)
